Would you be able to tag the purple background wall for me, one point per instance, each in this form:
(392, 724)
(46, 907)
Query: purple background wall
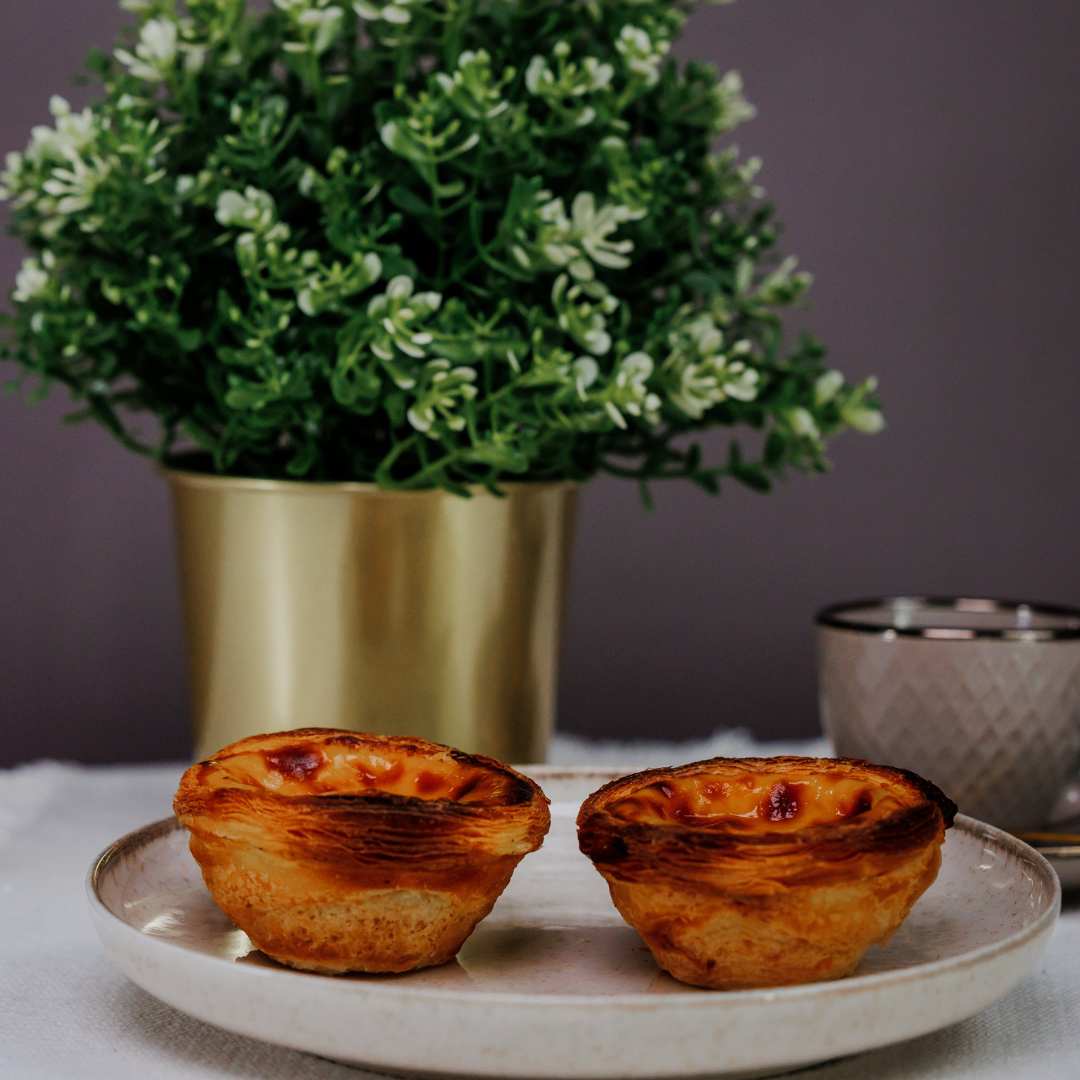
(926, 157)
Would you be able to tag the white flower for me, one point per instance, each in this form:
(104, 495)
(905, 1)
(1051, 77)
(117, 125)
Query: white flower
(155, 53)
(801, 422)
(326, 23)
(573, 82)
(70, 186)
(734, 108)
(861, 418)
(400, 314)
(827, 386)
(33, 279)
(641, 54)
(74, 187)
(73, 133)
(326, 288)
(565, 241)
(628, 393)
(538, 75)
(194, 57)
(706, 374)
(157, 42)
(585, 372)
(442, 387)
(858, 414)
(635, 369)
(599, 75)
(396, 12)
(596, 338)
(740, 382)
(10, 177)
(253, 210)
(580, 309)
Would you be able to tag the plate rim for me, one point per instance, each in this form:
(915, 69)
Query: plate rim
(694, 997)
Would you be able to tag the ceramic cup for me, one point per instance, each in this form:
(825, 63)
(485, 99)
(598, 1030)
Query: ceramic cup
(982, 697)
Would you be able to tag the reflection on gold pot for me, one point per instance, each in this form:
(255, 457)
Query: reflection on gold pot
(402, 613)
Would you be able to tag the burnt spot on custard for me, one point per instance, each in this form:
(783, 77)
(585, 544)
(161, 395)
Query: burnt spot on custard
(428, 784)
(782, 803)
(295, 762)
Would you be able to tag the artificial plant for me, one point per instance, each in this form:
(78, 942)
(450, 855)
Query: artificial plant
(423, 243)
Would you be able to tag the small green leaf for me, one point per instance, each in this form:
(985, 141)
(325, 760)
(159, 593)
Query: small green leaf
(700, 283)
(190, 340)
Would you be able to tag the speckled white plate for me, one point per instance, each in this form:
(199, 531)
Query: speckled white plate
(554, 984)
(1066, 862)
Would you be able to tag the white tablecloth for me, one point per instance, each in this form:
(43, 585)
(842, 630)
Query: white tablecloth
(67, 1014)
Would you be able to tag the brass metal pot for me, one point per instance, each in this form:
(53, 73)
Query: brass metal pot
(403, 613)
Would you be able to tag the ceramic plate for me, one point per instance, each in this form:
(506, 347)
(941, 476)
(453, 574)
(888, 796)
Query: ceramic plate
(1060, 847)
(1065, 859)
(554, 984)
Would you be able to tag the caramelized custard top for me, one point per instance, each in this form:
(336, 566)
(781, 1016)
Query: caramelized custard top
(350, 766)
(755, 802)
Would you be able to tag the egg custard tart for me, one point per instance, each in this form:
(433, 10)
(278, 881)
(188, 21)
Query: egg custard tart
(335, 851)
(755, 872)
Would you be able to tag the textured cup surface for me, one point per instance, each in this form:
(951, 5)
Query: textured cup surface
(994, 722)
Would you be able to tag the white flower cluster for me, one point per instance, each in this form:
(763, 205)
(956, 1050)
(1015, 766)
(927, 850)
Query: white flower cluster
(73, 187)
(411, 138)
(318, 23)
(400, 313)
(607, 401)
(564, 91)
(33, 279)
(397, 11)
(854, 411)
(732, 107)
(471, 88)
(159, 45)
(781, 285)
(628, 392)
(328, 287)
(442, 388)
(438, 388)
(641, 54)
(580, 310)
(399, 337)
(65, 155)
(701, 372)
(318, 287)
(579, 240)
(71, 135)
(254, 210)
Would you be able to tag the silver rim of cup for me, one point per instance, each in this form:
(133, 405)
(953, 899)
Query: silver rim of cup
(953, 618)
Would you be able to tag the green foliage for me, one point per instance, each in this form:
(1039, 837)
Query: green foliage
(420, 242)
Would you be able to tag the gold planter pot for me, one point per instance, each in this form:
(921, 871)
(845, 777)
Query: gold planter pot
(402, 613)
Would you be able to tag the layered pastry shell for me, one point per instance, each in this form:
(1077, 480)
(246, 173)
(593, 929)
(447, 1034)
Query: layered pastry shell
(756, 872)
(335, 851)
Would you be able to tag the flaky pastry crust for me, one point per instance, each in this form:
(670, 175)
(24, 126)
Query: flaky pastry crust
(755, 872)
(335, 851)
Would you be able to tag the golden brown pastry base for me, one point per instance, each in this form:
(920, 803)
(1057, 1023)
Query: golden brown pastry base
(302, 846)
(802, 935)
(747, 873)
(309, 917)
